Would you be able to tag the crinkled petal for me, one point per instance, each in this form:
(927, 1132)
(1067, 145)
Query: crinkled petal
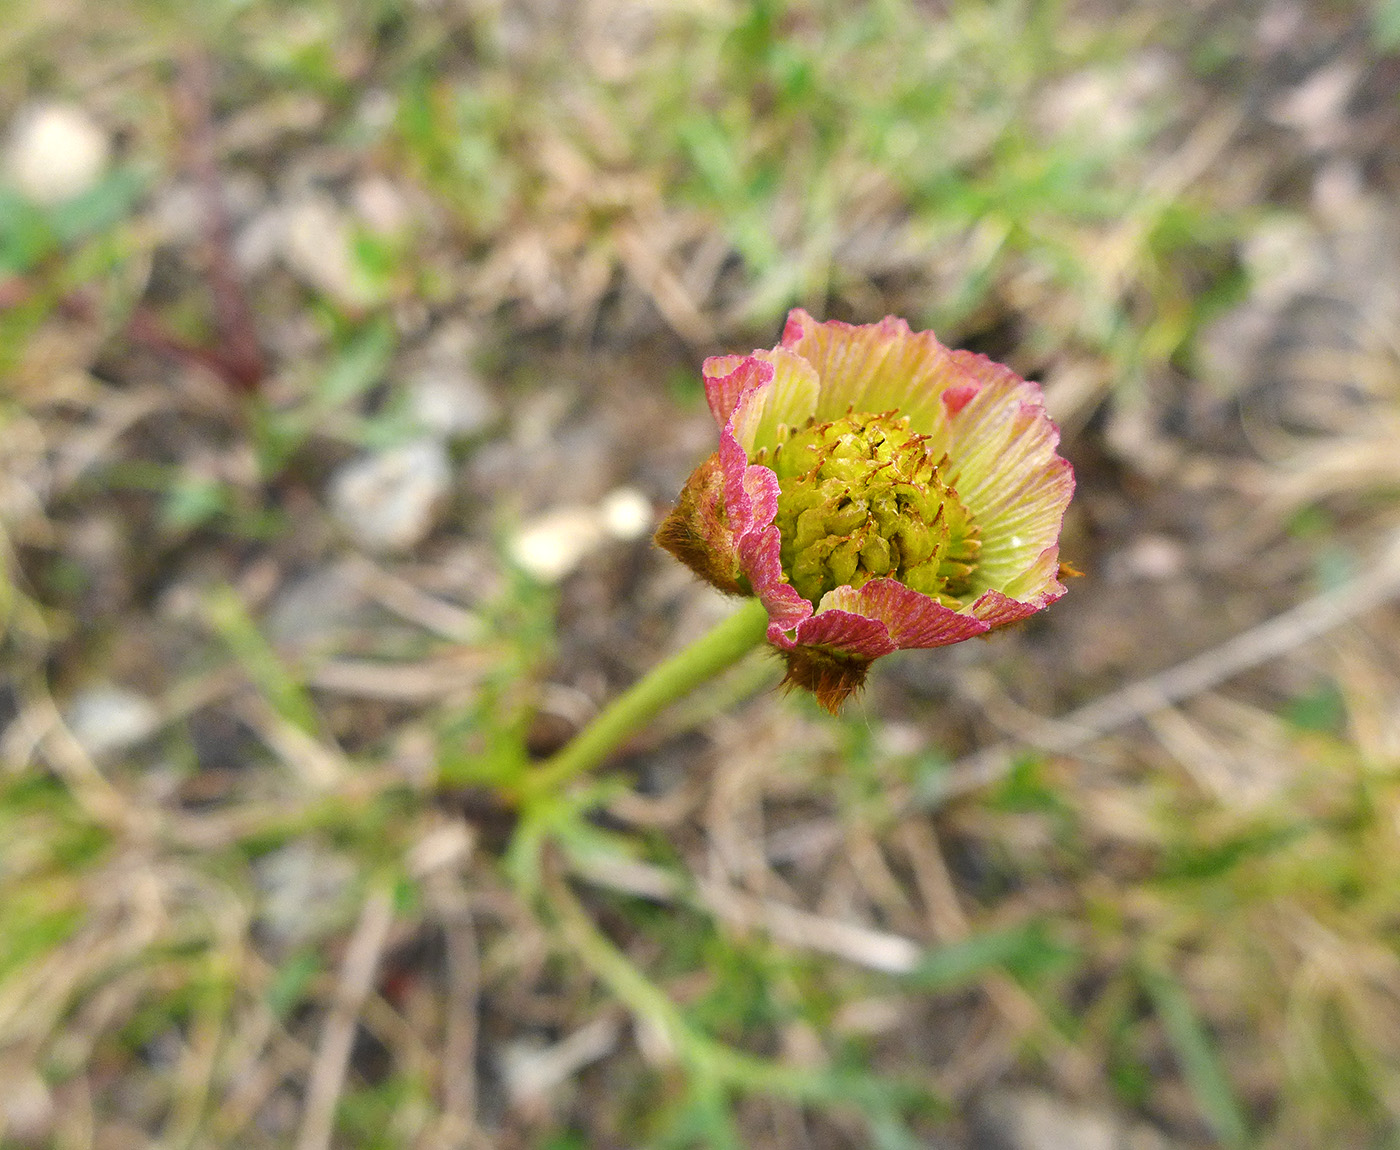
(1016, 535)
(1039, 583)
(756, 394)
(1035, 589)
(846, 632)
(831, 653)
(760, 562)
(912, 619)
(875, 367)
(751, 500)
(1002, 463)
(790, 400)
(727, 377)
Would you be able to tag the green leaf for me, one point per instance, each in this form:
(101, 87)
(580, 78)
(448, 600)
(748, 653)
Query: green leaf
(106, 203)
(26, 236)
(230, 618)
(359, 366)
(291, 982)
(1021, 949)
(1200, 1064)
(1385, 25)
(192, 501)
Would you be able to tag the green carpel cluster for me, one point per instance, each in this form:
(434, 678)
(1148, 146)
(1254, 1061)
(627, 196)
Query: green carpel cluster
(860, 498)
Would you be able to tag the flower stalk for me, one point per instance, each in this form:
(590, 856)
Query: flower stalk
(717, 650)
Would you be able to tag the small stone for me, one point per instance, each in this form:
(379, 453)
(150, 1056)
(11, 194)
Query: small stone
(108, 719)
(444, 847)
(532, 1070)
(381, 206)
(627, 514)
(389, 501)
(552, 545)
(305, 891)
(451, 402)
(1317, 108)
(1155, 558)
(1036, 1120)
(27, 1109)
(317, 246)
(446, 395)
(320, 611)
(900, 740)
(56, 152)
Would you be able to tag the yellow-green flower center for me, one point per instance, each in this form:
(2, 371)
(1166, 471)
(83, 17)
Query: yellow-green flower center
(860, 498)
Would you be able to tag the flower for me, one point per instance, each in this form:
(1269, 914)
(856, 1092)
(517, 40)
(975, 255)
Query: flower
(877, 491)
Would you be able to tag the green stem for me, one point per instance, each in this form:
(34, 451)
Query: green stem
(712, 653)
(704, 1056)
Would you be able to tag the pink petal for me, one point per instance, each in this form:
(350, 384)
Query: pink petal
(1004, 467)
(857, 636)
(997, 610)
(956, 398)
(751, 501)
(759, 560)
(727, 377)
(761, 392)
(1040, 582)
(912, 619)
(877, 367)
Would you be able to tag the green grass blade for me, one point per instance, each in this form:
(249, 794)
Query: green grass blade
(1201, 1066)
(1019, 949)
(230, 619)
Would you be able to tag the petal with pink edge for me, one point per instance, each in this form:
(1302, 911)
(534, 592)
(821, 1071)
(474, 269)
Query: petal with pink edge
(875, 367)
(831, 654)
(727, 377)
(760, 562)
(911, 618)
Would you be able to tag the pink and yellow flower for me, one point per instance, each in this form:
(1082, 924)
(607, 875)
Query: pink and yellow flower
(876, 491)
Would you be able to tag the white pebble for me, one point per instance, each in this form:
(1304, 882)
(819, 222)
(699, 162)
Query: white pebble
(389, 501)
(107, 719)
(317, 247)
(446, 395)
(627, 513)
(552, 545)
(1156, 558)
(56, 152)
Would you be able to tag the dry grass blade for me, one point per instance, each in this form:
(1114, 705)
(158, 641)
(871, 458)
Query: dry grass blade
(861, 945)
(357, 972)
(1284, 633)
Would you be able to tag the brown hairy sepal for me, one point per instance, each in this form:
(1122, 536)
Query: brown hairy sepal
(832, 676)
(697, 531)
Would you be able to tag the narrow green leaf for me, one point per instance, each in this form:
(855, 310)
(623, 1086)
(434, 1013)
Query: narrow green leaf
(230, 618)
(1200, 1065)
(1021, 948)
(291, 982)
(359, 366)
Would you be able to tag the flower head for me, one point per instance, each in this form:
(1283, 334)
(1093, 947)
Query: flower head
(876, 491)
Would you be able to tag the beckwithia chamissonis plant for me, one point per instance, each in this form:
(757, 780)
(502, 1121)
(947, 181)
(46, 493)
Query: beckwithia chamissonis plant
(876, 491)
(872, 491)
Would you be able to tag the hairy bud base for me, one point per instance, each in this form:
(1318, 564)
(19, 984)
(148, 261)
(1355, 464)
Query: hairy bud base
(860, 498)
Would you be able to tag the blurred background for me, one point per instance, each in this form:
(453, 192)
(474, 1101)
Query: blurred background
(349, 355)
